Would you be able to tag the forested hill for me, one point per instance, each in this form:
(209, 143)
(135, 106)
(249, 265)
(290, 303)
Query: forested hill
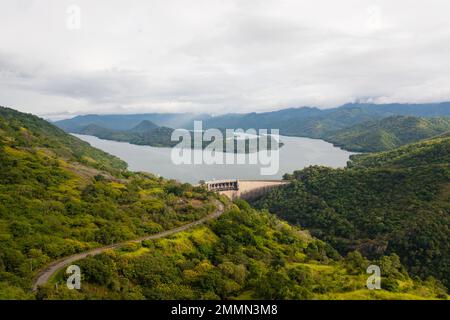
(26, 131)
(244, 254)
(389, 202)
(428, 152)
(60, 196)
(388, 133)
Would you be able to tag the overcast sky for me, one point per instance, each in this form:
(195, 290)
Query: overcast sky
(220, 56)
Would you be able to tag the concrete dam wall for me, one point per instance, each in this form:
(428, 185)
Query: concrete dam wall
(245, 189)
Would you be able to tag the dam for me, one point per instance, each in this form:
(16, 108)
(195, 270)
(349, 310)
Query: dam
(245, 189)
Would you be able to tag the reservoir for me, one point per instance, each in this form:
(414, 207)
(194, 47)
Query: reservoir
(295, 154)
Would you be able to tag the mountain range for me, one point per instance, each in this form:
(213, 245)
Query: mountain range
(345, 126)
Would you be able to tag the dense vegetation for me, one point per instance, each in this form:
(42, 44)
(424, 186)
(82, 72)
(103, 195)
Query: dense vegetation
(244, 254)
(424, 153)
(59, 196)
(19, 130)
(388, 133)
(390, 202)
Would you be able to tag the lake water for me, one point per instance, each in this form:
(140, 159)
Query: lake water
(296, 154)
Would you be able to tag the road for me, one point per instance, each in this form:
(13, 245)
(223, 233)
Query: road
(52, 268)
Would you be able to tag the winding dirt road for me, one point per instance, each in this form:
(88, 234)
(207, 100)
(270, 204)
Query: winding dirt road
(52, 268)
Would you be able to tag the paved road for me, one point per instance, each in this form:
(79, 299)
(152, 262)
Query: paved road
(51, 269)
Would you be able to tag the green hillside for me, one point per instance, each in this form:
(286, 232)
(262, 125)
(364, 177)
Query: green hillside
(431, 151)
(19, 130)
(390, 202)
(388, 133)
(245, 254)
(60, 196)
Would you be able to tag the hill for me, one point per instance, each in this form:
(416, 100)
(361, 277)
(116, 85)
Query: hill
(433, 151)
(390, 202)
(245, 254)
(388, 133)
(60, 196)
(145, 125)
(145, 133)
(19, 130)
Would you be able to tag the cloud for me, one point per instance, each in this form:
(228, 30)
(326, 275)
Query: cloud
(221, 56)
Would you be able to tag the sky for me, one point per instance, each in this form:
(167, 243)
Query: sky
(59, 58)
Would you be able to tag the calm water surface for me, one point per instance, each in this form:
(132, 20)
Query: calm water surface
(296, 154)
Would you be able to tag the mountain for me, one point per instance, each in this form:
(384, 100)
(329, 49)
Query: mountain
(265, 120)
(318, 123)
(143, 126)
(394, 201)
(417, 110)
(124, 122)
(60, 196)
(354, 127)
(388, 133)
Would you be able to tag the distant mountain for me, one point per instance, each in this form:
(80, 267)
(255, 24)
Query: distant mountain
(327, 124)
(418, 110)
(388, 133)
(318, 123)
(144, 126)
(128, 121)
(394, 201)
(265, 120)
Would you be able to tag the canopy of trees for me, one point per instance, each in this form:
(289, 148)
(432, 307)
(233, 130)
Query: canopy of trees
(60, 196)
(384, 203)
(245, 254)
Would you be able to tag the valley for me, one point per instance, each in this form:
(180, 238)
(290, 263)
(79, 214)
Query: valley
(139, 236)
